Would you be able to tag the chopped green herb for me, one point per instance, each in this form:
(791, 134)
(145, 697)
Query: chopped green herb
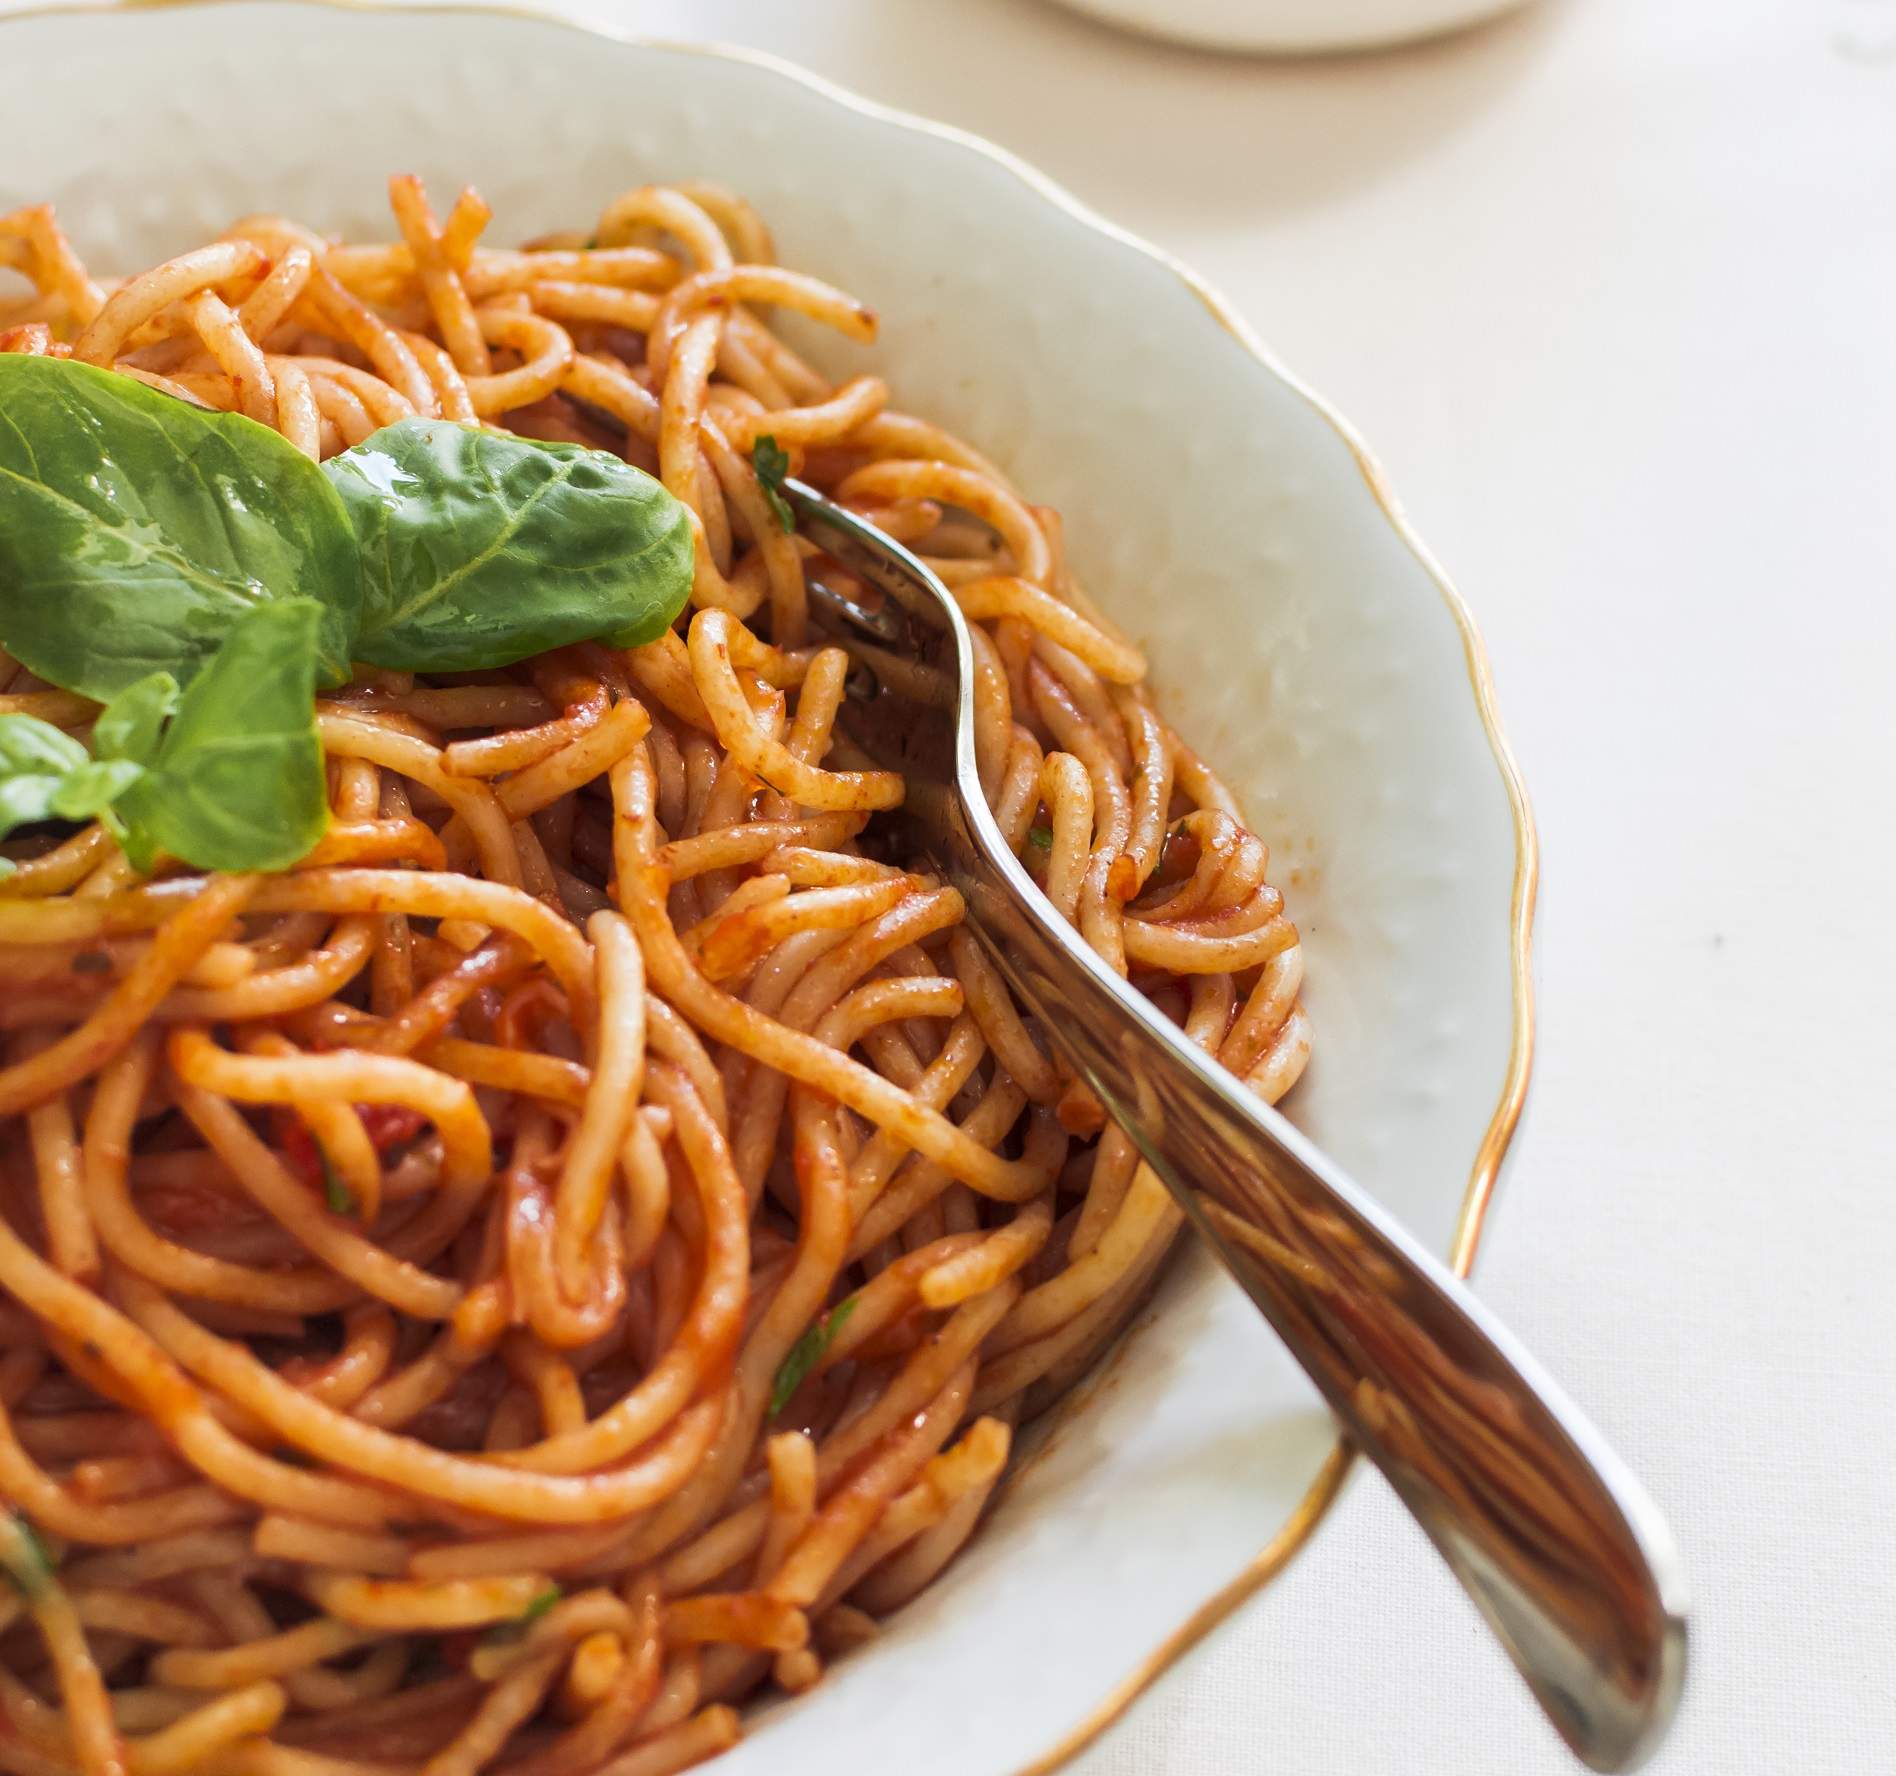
(772, 463)
(335, 1192)
(1040, 837)
(24, 1557)
(807, 1352)
(504, 1632)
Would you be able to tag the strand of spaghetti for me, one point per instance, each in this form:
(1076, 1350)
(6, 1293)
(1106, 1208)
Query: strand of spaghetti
(807, 1060)
(253, 387)
(510, 1701)
(710, 643)
(405, 1605)
(712, 1322)
(121, 1089)
(984, 496)
(546, 351)
(413, 1467)
(1070, 1346)
(82, 1051)
(635, 310)
(450, 387)
(345, 1077)
(708, 1732)
(778, 552)
(992, 1007)
(822, 422)
(972, 1464)
(54, 264)
(264, 308)
(1185, 951)
(70, 1241)
(515, 748)
(588, 755)
(137, 1616)
(509, 1069)
(88, 1715)
(378, 1273)
(440, 279)
(992, 1261)
(736, 940)
(898, 1577)
(632, 1686)
(612, 1093)
(387, 352)
(849, 1512)
(58, 869)
(352, 736)
(319, 1544)
(142, 297)
(791, 1458)
(113, 1523)
(433, 895)
(169, 1398)
(342, 1143)
(727, 284)
(1009, 595)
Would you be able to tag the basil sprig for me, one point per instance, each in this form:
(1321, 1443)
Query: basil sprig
(202, 574)
(226, 775)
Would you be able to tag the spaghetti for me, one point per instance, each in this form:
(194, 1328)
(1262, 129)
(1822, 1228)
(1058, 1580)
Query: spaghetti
(578, 1247)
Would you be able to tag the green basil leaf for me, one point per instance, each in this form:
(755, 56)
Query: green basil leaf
(135, 529)
(806, 1353)
(45, 774)
(92, 789)
(29, 746)
(238, 779)
(130, 726)
(480, 549)
(772, 463)
(1040, 837)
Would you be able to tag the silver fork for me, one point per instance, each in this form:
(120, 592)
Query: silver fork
(1560, 1547)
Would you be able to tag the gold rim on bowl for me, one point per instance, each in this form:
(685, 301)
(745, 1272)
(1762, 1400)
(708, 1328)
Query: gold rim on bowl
(1486, 1170)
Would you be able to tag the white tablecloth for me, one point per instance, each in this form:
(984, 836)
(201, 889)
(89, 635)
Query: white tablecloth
(1611, 288)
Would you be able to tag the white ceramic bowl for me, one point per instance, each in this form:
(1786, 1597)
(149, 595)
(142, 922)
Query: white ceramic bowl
(1299, 634)
(1292, 27)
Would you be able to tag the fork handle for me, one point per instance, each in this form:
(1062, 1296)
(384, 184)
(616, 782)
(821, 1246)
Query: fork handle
(1556, 1543)
(1559, 1546)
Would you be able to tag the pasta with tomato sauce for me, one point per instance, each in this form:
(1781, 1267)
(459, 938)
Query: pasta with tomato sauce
(575, 1244)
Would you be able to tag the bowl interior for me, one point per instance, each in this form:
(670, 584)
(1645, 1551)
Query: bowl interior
(1298, 641)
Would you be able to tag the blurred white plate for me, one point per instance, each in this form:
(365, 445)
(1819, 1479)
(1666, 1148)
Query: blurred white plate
(1299, 634)
(1292, 27)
